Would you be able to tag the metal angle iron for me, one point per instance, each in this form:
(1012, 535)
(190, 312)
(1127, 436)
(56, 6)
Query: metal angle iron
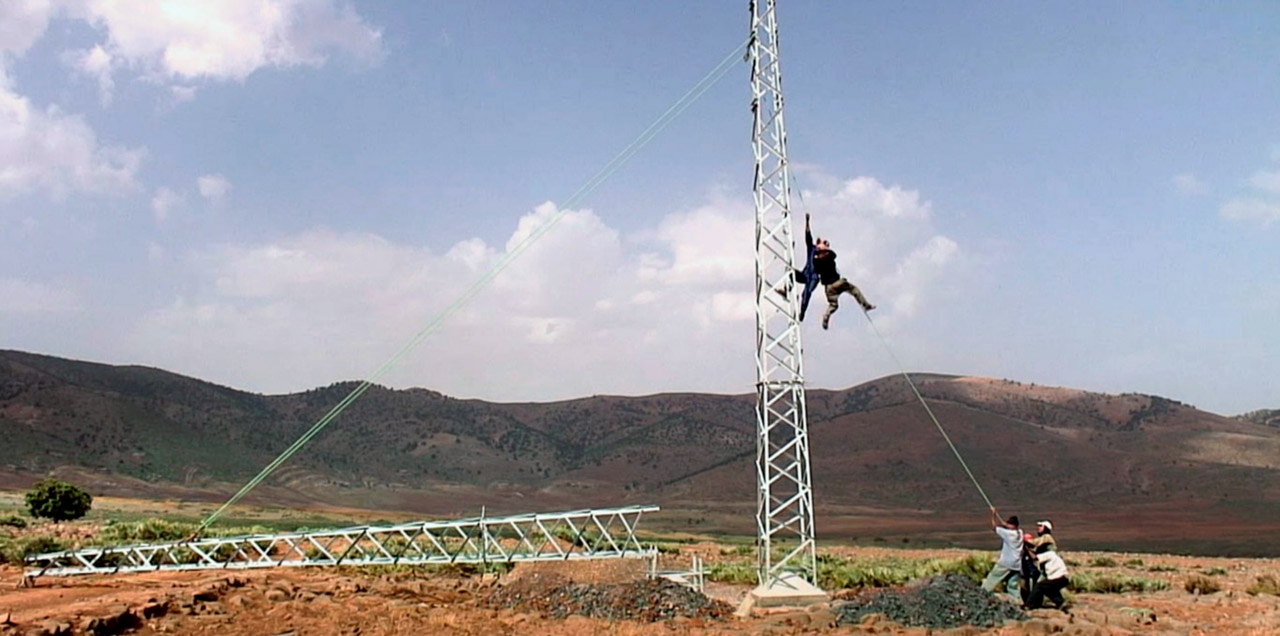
(784, 494)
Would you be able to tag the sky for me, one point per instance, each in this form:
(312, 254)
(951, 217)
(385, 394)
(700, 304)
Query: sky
(278, 194)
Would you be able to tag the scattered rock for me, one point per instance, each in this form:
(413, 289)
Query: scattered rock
(939, 602)
(646, 601)
(117, 620)
(154, 609)
(53, 628)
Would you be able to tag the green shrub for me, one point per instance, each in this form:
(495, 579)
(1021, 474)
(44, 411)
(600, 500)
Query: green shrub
(13, 521)
(736, 572)
(1216, 571)
(1160, 567)
(156, 530)
(15, 550)
(1201, 584)
(57, 500)
(738, 550)
(974, 567)
(1102, 562)
(1265, 584)
(1115, 584)
(1134, 563)
(837, 572)
(147, 530)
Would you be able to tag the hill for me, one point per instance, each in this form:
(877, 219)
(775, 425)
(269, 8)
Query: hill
(1114, 463)
(1264, 417)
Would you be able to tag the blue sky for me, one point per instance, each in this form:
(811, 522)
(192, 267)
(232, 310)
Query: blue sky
(275, 195)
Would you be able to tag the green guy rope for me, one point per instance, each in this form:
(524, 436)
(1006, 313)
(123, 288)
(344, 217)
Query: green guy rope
(709, 80)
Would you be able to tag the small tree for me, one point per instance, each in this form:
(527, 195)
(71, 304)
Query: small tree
(57, 500)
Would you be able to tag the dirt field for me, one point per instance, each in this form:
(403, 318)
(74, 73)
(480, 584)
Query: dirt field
(350, 601)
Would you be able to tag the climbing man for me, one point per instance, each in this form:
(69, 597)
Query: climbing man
(807, 278)
(1009, 566)
(824, 264)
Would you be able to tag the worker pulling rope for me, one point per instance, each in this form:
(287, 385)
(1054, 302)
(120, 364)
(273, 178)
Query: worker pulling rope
(912, 384)
(701, 87)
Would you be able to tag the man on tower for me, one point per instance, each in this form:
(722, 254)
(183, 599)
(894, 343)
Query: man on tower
(824, 264)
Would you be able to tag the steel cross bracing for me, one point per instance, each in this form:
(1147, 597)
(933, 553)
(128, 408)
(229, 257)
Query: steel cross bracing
(784, 515)
(583, 534)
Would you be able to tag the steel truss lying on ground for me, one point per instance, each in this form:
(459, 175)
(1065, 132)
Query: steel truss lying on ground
(607, 533)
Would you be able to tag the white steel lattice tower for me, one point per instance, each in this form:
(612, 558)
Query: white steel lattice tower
(784, 515)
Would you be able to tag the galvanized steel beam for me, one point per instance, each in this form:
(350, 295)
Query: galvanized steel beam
(607, 533)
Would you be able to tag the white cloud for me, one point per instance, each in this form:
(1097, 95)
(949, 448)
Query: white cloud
(24, 297)
(182, 94)
(213, 186)
(46, 149)
(1188, 184)
(96, 63)
(165, 202)
(585, 309)
(1261, 205)
(181, 41)
(174, 42)
(22, 22)
(1251, 210)
(1266, 181)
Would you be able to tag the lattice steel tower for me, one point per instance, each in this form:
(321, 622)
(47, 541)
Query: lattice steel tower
(784, 515)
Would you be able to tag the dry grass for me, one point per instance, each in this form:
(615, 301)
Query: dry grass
(1201, 584)
(1115, 584)
(1265, 584)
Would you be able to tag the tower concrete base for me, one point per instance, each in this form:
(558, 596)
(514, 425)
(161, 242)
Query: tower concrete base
(788, 590)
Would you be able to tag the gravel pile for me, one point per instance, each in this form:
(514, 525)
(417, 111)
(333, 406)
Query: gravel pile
(939, 602)
(647, 601)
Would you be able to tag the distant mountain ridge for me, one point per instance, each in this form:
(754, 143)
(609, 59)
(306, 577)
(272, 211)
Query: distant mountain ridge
(871, 444)
(1264, 417)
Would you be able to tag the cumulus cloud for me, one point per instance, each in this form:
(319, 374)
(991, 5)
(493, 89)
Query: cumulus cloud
(586, 309)
(213, 186)
(177, 43)
(25, 297)
(165, 202)
(1260, 205)
(1260, 211)
(1266, 181)
(96, 63)
(1188, 184)
(180, 41)
(22, 22)
(47, 149)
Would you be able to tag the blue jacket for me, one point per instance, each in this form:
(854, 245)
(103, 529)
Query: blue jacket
(809, 275)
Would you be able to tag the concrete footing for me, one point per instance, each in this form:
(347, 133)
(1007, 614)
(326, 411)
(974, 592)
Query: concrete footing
(787, 591)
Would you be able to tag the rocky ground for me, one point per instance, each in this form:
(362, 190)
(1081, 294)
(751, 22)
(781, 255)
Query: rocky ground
(570, 599)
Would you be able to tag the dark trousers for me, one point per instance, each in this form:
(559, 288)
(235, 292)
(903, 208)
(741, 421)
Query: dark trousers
(1052, 589)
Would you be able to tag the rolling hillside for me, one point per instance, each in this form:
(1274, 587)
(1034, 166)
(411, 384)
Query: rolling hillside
(1120, 459)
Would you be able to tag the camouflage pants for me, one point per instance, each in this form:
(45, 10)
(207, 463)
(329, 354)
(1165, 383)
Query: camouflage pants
(833, 297)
